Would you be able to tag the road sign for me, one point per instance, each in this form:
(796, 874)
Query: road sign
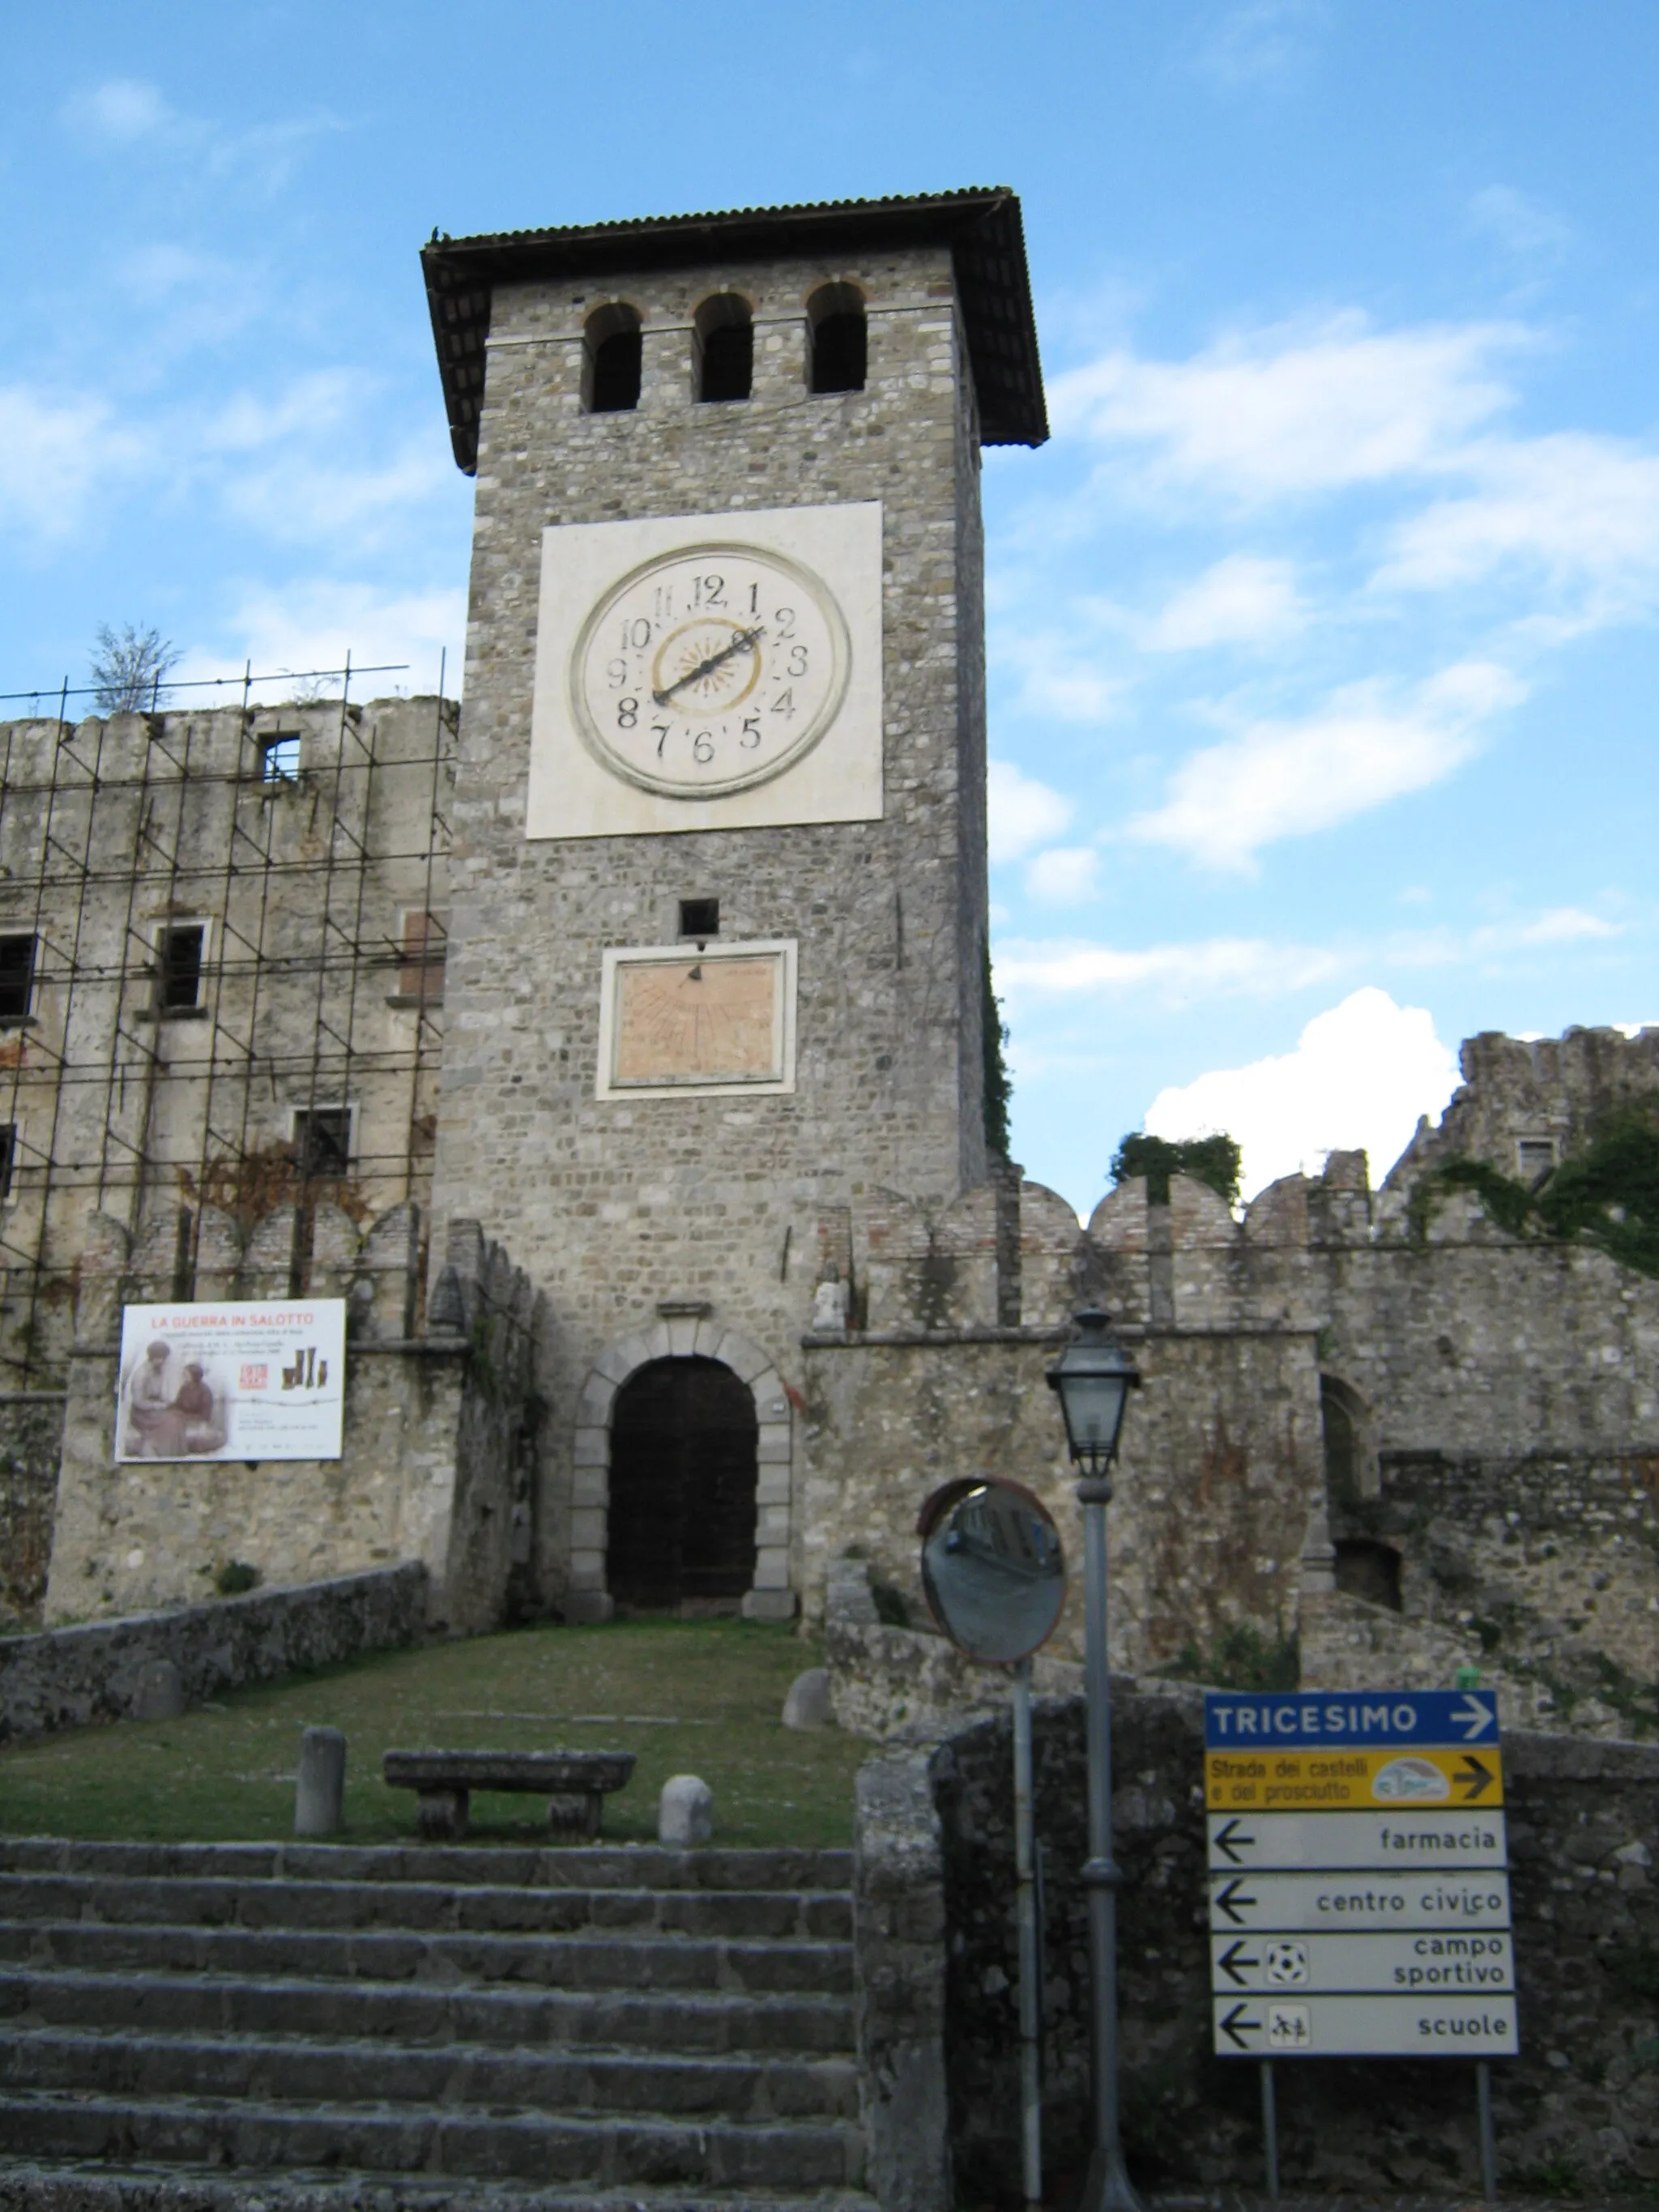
(1405, 1840)
(1264, 1721)
(1345, 1780)
(1359, 1900)
(1365, 2028)
(1444, 1961)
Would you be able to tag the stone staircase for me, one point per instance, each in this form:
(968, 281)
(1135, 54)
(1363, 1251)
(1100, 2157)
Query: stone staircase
(207, 2025)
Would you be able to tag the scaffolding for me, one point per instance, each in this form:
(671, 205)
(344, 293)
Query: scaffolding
(222, 933)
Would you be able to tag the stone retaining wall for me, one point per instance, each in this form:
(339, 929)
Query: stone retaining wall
(70, 1677)
(1577, 2112)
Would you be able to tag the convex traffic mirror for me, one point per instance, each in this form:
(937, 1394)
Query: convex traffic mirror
(991, 1568)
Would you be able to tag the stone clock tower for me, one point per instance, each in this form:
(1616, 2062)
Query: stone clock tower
(719, 903)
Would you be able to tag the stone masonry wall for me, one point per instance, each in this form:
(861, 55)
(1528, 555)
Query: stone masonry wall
(73, 1677)
(1577, 2112)
(617, 1207)
(1219, 1474)
(432, 1456)
(31, 1436)
(122, 1107)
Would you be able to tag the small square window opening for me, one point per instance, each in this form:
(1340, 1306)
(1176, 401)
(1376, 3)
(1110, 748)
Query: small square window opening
(1536, 1157)
(180, 949)
(700, 918)
(322, 1141)
(279, 757)
(16, 977)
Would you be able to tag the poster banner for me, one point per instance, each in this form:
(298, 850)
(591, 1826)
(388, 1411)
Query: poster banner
(235, 1382)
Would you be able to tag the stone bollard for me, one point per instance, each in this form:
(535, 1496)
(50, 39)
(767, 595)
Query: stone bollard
(685, 1813)
(160, 1695)
(807, 1706)
(319, 1783)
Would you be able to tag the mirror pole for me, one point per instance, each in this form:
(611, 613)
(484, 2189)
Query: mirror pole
(1108, 2188)
(1030, 1951)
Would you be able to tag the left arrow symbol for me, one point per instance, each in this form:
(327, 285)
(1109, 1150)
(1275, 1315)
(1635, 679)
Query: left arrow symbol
(1229, 1900)
(1235, 2025)
(1231, 1963)
(1228, 1840)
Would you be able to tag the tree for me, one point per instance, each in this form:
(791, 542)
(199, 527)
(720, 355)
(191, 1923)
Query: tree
(1213, 1160)
(998, 1086)
(129, 669)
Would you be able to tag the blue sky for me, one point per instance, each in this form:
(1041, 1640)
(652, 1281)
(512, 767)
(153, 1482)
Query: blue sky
(1322, 635)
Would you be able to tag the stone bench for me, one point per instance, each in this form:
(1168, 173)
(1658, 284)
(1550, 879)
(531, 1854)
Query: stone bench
(576, 1784)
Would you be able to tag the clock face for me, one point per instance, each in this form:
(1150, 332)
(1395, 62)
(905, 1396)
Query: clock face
(710, 669)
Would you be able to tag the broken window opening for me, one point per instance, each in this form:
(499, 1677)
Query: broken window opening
(322, 1142)
(17, 978)
(279, 757)
(425, 949)
(182, 952)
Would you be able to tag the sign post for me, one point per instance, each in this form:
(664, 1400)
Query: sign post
(1359, 1895)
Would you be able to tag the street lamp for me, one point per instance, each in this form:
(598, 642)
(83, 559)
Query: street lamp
(1093, 1378)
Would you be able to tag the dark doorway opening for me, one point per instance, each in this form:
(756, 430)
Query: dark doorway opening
(682, 1485)
(1366, 1569)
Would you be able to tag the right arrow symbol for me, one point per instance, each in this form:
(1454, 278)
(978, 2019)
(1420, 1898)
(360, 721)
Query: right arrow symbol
(1475, 1776)
(1231, 1963)
(1235, 2025)
(1229, 1900)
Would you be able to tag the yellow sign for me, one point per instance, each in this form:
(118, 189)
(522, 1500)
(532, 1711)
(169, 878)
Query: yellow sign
(1348, 1781)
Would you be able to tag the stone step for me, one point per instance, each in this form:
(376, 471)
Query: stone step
(221, 1902)
(600, 1866)
(108, 2187)
(298, 2072)
(535, 2147)
(711, 2022)
(662, 1962)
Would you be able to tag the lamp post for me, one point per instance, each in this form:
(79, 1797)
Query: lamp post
(1093, 1378)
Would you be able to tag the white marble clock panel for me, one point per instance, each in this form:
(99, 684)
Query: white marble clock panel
(574, 793)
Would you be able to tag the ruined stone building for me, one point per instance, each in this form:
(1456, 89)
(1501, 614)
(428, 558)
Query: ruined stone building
(615, 1049)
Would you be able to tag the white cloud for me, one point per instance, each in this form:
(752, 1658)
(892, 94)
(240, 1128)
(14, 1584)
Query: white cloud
(1215, 966)
(1360, 1075)
(1260, 43)
(1020, 812)
(314, 624)
(1521, 226)
(123, 112)
(1282, 779)
(1583, 510)
(57, 454)
(1243, 599)
(120, 111)
(1267, 414)
(1063, 875)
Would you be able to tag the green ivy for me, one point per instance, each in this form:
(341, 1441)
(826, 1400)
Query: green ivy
(1607, 1195)
(1213, 1160)
(999, 1084)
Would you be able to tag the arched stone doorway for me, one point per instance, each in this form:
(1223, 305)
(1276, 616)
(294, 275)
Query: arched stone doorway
(683, 1333)
(683, 1473)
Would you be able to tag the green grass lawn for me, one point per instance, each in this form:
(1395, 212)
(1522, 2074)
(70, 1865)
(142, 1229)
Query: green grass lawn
(689, 1697)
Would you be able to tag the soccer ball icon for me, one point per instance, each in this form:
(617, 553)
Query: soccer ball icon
(1287, 1963)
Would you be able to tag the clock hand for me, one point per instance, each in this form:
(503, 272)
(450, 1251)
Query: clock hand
(744, 640)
